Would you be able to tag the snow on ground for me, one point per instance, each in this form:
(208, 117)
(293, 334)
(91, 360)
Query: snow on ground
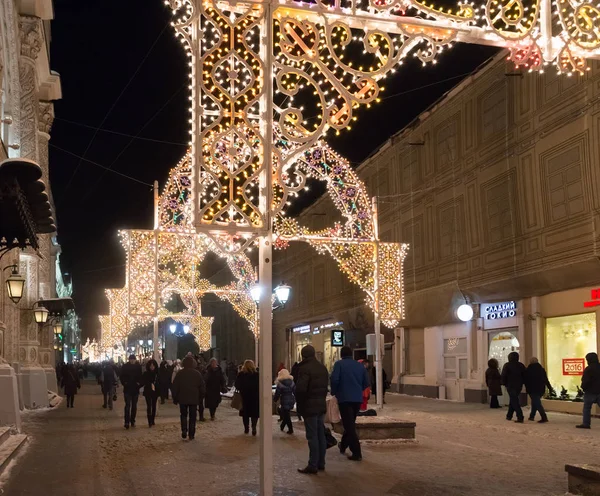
(461, 449)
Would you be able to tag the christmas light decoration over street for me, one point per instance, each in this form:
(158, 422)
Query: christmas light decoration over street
(268, 81)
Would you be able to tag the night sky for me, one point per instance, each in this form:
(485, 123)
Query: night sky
(124, 106)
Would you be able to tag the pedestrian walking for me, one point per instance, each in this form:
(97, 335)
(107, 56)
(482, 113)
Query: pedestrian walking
(311, 390)
(131, 379)
(164, 381)
(176, 368)
(348, 381)
(285, 389)
(294, 373)
(590, 383)
(513, 377)
(536, 382)
(215, 385)
(109, 383)
(151, 390)
(70, 383)
(247, 384)
(493, 381)
(188, 389)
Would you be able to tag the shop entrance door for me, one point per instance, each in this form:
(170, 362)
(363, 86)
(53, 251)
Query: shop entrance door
(456, 368)
(500, 344)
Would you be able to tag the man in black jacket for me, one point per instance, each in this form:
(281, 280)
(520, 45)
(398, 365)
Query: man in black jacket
(131, 378)
(188, 391)
(590, 383)
(311, 390)
(513, 377)
(536, 382)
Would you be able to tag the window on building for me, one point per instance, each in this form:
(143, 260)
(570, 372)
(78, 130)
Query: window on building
(450, 223)
(493, 112)
(447, 143)
(499, 201)
(412, 233)
(414, 351)
(568, 340)
(455, 358)
(410, 173)
(319, 282)
(565, 186)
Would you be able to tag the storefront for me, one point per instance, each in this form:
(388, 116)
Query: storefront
(569, 333)
(501, 336)
(326, 337)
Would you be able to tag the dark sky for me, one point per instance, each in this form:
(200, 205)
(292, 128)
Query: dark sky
(124, 106)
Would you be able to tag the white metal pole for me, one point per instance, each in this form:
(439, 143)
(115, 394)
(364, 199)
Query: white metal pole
(155, 346)
(378, 365)
(265, 343)
(256, 345)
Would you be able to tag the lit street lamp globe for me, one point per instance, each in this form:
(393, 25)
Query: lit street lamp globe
(283, 293)
(464, 312)
(255, 292)
(58, 328)
(15, 285)
(173, 328)
(186, 328)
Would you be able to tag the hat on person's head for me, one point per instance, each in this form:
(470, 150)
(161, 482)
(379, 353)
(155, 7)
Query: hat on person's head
(308, 351)
(132, 357)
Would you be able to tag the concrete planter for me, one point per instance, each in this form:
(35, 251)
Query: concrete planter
(573, 407)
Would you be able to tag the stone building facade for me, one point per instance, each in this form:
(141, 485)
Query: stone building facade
(496, 188)
(27, 89)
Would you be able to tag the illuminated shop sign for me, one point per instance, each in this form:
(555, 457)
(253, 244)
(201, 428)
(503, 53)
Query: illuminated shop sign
(573, 366)
(337, 338)
(595, 301)
(504, 310)
(303, 329)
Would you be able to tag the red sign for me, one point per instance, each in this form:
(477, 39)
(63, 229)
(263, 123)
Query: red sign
(595, 301)
(573, 366)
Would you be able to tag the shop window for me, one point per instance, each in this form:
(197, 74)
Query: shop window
(568, 340)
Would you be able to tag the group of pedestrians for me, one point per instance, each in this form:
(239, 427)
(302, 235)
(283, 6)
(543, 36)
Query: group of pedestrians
(515, 376)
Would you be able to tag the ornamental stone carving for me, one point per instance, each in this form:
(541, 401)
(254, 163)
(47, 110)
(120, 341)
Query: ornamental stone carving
(22, 354)
(32, 354)
(46, 116)
(30, 31)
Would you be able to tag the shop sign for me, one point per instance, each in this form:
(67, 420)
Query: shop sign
(573, 366)
(595, 301)
(328, 326)
(303, 329)
(337, 338)
(504, 310)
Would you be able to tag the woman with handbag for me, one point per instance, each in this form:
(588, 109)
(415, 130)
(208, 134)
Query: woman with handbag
(151, 383)
(248, 385)
(284, 392)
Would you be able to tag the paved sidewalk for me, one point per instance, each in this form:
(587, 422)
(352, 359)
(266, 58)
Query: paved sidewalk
(462, 449)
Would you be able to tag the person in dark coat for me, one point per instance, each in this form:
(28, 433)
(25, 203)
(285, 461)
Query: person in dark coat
(590, 383)
(215, 385)
(151, 390)
(109, 383)
(311, 390)
(164, 381)
(513, 377)
(348, 381)
(247, 384)
(374, 381)
(131, 378)
(285, 389)
(70, 382)
(536, 381)
(493, 381)
(294, 373)
(188, 390)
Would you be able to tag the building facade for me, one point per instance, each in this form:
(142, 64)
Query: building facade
(496, 188)
(27, 89)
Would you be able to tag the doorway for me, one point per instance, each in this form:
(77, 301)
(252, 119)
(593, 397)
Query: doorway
(500, 344)
(456, 368)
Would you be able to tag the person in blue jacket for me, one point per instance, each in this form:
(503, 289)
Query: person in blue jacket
(348, 381)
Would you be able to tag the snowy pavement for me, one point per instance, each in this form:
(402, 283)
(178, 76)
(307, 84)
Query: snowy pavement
(461, 449)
